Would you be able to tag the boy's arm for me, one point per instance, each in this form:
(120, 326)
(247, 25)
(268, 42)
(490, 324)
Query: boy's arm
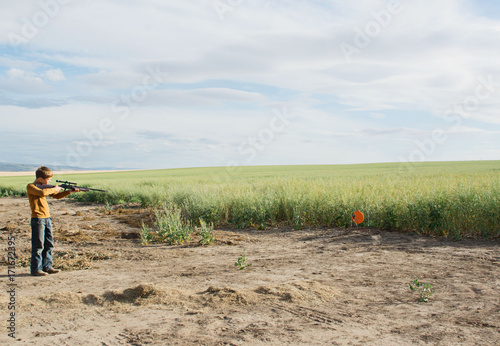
(61, 194)
(52, 192)
(33, 190)
(65, 193)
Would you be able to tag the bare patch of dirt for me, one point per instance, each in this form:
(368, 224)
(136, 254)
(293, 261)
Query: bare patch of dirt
(314, 286)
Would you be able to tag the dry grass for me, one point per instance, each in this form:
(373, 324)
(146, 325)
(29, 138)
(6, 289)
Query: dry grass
(66, 260)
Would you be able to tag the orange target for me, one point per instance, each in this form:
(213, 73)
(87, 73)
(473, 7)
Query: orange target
(358, 217)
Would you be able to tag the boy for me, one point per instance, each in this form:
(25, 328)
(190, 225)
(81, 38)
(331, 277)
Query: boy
(42, 241)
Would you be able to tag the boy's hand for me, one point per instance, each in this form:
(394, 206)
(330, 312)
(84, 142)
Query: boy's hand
(75, 190)
(58, 188)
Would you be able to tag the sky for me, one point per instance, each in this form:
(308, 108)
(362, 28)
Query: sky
(169, 84)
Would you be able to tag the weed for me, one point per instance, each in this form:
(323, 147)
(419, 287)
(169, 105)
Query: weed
(299, 218)
(146, 235)
(424, 289)
(454, 235)
(241, 263)
(242, 221)
(170, 227)
(205, 232)
(107, 209)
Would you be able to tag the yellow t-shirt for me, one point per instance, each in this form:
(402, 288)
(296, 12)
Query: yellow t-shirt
(38, 202)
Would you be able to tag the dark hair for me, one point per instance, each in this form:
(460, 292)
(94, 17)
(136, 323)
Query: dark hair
(44, 172)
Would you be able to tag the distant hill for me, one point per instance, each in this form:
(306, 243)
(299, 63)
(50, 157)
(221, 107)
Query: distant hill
(20, 167)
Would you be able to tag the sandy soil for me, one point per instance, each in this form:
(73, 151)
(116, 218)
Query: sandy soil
(315, 286)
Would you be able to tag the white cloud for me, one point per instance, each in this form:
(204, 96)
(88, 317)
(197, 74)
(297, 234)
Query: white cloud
(208, 97)
(16, 73)
(55, 75)
(473, 131)
(23, 82)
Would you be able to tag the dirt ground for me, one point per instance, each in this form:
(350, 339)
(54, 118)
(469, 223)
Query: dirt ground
(313, 286)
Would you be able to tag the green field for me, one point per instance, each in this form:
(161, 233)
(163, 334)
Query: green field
(454, 199)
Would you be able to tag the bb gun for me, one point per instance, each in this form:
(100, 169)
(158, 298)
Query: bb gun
(67, 185)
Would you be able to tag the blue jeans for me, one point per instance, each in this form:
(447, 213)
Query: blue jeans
(42, 243)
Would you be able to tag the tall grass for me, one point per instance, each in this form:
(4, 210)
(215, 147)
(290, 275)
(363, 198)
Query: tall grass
(454, 199)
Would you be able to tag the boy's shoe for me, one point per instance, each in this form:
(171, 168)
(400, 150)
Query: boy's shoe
(53, 271)
(39, 273)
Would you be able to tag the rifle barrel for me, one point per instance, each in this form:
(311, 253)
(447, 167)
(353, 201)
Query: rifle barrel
(68, 186)
(81, 188)
(98, 190)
